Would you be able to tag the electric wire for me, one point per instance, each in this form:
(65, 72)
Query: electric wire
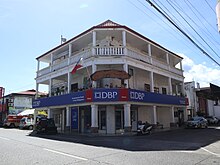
(185, 34)
(212, 37)
(186, 1)
(194, 29)
(210, 6)
(187, 45)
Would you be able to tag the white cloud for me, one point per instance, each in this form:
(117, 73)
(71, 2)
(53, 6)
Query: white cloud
(84, 5)
(200, 72)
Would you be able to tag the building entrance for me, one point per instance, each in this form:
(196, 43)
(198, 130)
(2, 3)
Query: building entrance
(85, 119)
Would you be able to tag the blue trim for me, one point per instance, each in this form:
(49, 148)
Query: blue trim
(109, 95)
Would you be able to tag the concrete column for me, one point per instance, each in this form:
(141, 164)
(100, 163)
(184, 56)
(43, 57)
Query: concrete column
(70, 51)
(176, 89)
(37, 89)
(154, 114)
(149, 52)
(93, 42)
(181, 66)
(124, 41)
(94, 68)
(49, 114)
(69, 75)
(63, 120)
(51, 61)
(170, 86)
(127, 117)
(35, 116)
(50, 87)
(151, 81)
(172, 114)
(94, 119)
(167, 57)
(67, 119)
(38, 65)
(125, 66)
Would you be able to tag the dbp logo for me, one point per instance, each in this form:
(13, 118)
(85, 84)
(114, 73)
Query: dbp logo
(105, 95)
(137, 95)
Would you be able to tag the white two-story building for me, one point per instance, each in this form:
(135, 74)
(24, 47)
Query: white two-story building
(125, 78)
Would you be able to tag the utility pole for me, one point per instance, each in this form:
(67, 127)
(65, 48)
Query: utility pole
(2, 93)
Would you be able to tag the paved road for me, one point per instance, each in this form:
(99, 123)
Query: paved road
(182, 147)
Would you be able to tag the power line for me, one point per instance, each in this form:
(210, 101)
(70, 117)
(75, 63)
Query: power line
(193, 29)
(186, 35)
(144, 12)
(210, 6)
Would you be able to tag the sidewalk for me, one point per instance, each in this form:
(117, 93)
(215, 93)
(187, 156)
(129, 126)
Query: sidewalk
(77, 137)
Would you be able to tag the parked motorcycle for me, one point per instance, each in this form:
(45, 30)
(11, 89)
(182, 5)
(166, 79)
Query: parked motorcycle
(144, 128)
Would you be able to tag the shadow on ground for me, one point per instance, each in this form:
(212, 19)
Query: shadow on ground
(181, 139)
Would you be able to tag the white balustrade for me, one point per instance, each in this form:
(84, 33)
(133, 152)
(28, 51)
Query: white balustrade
(87, 53)
(138, 55)
(109, 50)
(60, 65)
(176, 70)
(43, 71)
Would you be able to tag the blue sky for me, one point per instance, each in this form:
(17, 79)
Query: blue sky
(30, 27)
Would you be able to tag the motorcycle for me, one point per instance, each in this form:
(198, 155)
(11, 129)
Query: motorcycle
(144, 128)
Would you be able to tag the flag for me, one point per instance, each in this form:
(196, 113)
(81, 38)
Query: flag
(77, 66)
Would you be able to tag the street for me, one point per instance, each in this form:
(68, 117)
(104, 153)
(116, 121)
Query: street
(184, 146)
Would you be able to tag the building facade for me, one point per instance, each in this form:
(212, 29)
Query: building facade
(124, 78)
(15, 103)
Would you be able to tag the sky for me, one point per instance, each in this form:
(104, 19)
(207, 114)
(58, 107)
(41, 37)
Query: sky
(30, 28)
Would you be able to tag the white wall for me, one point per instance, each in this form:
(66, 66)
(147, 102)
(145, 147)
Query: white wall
(22, 102)
(217, 111)
(210, 106)
(164, 116)
(144, 114)
(141, 77)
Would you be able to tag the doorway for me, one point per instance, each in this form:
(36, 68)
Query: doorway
(85, 119)
(119, 120)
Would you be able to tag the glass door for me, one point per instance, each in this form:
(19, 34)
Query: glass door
(102, 120)
(119, 120)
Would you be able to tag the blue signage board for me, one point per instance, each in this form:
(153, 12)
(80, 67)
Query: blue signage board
(74, 118)
(72, 98)
(149, 97)
(108, 95)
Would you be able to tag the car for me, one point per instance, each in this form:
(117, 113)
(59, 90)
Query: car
(46, 126)
(26, 123)
(197, 122)
(212, 120)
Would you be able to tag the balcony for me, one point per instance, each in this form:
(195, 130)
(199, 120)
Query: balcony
(108, 51)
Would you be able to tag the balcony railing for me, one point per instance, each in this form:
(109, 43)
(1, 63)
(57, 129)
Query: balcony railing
(117, 51)
(138, 55)
(109, 50)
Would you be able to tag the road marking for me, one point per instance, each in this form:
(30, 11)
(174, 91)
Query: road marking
(4, 138)
(210, 152)
(61, 153)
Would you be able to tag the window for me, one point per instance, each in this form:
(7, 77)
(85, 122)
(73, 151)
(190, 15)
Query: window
(156, 90)
(131, 71)
(147, 87)
(164, 90)
(74, 87)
